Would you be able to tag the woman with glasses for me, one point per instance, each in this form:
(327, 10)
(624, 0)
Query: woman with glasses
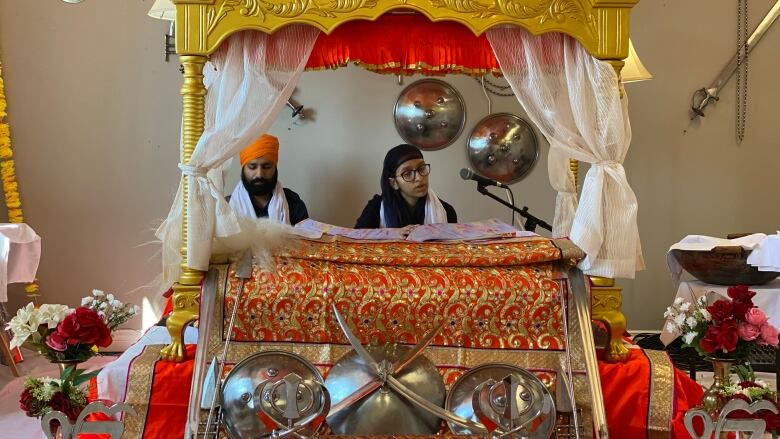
(406, 198)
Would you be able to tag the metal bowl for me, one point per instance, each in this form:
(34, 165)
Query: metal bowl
(241, 401)
(460, 399)
(384, 412)
(722, 266)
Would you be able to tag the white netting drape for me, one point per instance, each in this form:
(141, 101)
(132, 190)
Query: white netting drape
(574, 100)
(249, 80)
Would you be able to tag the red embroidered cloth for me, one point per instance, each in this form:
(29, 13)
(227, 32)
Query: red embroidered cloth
(498, 296)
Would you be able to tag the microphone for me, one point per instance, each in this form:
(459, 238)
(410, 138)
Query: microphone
(468, 174)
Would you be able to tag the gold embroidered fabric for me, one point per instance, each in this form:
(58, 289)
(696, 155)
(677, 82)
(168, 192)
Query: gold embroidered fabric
(661, 404)
(139, 389)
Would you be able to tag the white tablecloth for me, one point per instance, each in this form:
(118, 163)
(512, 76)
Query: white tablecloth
(767, 298)
(20, 253)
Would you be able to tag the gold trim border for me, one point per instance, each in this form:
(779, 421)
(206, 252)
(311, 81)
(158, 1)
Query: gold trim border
(139, 389)
(661, 402)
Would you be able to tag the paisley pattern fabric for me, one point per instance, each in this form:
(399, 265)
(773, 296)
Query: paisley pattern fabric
(482, 295)
(521, 251)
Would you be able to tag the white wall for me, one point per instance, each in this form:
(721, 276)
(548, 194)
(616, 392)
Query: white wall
(94, 114)
(695, 179)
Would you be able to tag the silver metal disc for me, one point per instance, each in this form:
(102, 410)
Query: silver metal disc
(384, 412)
(240, 405)
(429, 114)
(460, 398)
(503, 147)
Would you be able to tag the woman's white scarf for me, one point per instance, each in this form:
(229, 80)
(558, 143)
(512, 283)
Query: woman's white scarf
(278, 210)
(434, 211)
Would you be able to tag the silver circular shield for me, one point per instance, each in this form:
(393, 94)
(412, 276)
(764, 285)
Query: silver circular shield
(531, 391)
(429, 114)
(384, 412)
(503, 147)
(242, 395)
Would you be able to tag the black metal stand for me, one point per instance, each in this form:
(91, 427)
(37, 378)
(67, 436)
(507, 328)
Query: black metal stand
(530, 221)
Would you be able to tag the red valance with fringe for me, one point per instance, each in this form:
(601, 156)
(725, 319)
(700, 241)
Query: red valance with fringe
(405, 44)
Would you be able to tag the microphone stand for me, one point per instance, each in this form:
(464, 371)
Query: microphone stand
(530, 221)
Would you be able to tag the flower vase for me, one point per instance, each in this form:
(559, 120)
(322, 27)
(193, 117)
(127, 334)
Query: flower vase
(714, 398)
(62, 365)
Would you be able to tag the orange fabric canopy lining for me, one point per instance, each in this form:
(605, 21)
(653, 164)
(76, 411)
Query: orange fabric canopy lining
(407, 44)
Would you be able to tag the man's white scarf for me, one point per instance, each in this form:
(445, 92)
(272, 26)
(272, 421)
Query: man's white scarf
(278, 210)
(434, 211)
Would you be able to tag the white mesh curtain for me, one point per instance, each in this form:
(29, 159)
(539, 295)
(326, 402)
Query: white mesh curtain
(574, 100)
(249, 80)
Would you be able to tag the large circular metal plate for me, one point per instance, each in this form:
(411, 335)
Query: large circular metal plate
(503, 147)
(460, 398)
(384, 412)
(241, 404)
(429, 114)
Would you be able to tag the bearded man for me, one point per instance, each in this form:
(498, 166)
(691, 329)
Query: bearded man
(259, 193)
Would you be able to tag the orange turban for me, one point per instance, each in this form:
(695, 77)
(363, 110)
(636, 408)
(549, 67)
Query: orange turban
(266, 146)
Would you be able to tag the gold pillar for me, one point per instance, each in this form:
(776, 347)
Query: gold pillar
(607, 299)
(187, 289)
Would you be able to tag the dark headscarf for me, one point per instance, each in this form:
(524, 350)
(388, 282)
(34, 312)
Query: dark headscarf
(396, 212)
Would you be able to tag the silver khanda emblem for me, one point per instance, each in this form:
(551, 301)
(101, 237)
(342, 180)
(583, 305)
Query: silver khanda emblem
(508, 408)
(301, 404)
(756, 426)
(115, 429)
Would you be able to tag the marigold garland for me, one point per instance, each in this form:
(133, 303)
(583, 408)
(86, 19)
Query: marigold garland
(13, 200)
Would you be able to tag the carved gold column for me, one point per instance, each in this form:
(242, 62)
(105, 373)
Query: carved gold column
(187, 289)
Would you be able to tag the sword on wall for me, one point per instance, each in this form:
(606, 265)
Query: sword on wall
(706, 95)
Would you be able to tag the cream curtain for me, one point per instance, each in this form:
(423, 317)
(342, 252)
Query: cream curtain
(249, 80)
(575, 102)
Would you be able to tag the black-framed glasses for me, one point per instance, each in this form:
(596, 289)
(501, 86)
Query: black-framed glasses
(411, 174)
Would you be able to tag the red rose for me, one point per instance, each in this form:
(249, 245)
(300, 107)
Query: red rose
(747, 384)
(27, 403)
(709, 343)
(68, 327)
(93, 329)
(721, 310)
(741, 309)
(84, 326)
(741, 293)
(728, 336)
(60, 403)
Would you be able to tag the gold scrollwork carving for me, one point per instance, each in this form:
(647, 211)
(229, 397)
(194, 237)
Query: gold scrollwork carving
(288, 9)
(608, 301)
(476, 8)
(185, 301)
(549, 10)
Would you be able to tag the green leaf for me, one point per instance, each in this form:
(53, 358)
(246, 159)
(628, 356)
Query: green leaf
(67, 373)
(84, 377)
